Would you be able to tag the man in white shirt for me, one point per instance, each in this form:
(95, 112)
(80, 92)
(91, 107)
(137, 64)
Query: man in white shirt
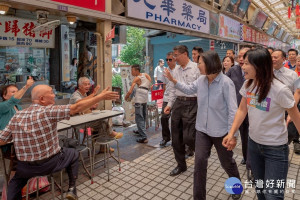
(166, 134)
(184, 108)
(289, 78)
(159, 72)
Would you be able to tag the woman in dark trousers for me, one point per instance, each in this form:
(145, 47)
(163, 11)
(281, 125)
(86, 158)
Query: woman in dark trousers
(217, 105)
(265, 99)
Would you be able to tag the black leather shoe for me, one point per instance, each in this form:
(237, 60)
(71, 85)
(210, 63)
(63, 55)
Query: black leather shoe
(136, 131)
(163, 143)
(177, 171)
(243, 162)
(142, 140)
(235, 196)
(189, 153)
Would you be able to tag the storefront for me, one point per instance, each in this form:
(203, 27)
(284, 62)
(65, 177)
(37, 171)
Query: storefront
(23, 52)
(46, 54)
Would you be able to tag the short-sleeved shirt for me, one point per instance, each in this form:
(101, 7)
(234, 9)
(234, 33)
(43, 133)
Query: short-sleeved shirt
(76, 96)
(288, 77)
(7, 110)
(159, 72)
(185, 75)
(267, 119)
(167, 82)
(34, 131)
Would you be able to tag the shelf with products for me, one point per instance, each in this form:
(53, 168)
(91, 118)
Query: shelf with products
(17, 63)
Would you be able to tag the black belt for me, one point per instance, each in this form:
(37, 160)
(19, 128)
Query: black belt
(40, 162)
(187, 98)
(144, 88)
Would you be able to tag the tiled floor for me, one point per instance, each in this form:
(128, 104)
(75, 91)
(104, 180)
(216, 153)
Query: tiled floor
(145, 175)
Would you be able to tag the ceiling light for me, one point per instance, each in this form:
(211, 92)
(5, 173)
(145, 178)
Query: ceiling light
(71, 19)
(4, 8)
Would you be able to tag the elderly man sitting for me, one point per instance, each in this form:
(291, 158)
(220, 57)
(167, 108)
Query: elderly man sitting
(34, 133)
(102, 126)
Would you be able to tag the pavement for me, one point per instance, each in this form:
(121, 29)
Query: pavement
(145, 172)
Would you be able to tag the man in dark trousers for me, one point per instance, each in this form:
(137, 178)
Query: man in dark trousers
(34, 132)
(184, 108)
(236, 74)
(166, 134)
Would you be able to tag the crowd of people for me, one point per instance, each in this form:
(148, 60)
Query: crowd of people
(208, 102)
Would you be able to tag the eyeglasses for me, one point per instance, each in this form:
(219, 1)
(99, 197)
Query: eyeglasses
(169, 59)
(176, 56)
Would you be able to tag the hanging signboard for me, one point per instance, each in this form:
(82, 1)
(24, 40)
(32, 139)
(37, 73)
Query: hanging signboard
(19, 32)
(229, 28)
(65, 49)
(98, 5)
(213, 23)
(247, 33)
(179, 13)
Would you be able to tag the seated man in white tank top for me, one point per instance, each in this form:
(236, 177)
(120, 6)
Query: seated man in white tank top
(143, 82)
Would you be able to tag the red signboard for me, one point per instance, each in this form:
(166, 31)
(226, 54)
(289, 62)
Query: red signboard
(98, 5)
(111, 34)
(247, 33)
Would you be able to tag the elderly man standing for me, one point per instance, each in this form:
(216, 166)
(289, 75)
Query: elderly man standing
(103, 126)
(34, 133)
(289, 78)
(184, 108)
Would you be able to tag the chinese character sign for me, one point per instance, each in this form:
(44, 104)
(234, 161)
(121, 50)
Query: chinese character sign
(247, 33)
(19, 32)
(177, 13)
(229, 28)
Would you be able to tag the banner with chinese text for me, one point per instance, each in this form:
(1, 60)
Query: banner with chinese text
(247, 33)
(18, 32)
(179, 13)
(229, 28)
(65, 49)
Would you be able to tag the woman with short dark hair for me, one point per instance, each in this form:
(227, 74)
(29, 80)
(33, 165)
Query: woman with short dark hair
(11, 98)
(217, 105)
(265, 99)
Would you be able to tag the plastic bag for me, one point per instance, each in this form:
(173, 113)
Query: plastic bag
(44, 186)
(118, 120)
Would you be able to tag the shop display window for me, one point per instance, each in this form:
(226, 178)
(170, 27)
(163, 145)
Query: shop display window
(17, 63)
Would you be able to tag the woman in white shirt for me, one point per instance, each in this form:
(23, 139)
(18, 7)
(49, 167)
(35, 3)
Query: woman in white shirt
(265, 99)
